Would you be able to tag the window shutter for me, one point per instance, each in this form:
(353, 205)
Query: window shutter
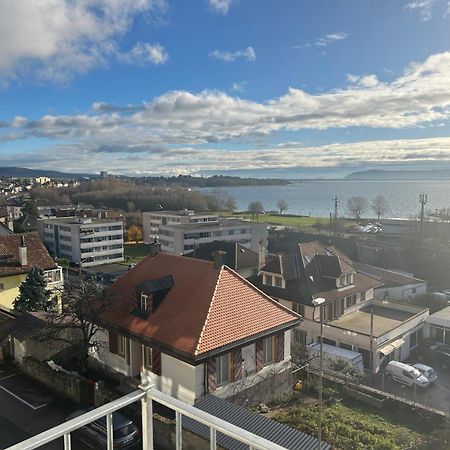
(212, 381)
(156, 361)
(279, 347)
(237, 364)
(259, 355)
(113, 338)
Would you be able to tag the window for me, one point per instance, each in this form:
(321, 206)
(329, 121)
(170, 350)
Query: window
(278, 282)
(342, 280)
(268, 350)
(144, 303)
(349, 279)
(299, 309)
(300, 336)
(267, 279)
(147, 357)
(2, 286)
(351, 300)
(224, 367)
(363, 296)
(122, 346)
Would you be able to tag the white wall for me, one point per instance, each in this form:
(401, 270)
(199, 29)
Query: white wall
(401, 292)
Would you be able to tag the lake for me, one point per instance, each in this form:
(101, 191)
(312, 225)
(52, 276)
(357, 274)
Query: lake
(315, 198)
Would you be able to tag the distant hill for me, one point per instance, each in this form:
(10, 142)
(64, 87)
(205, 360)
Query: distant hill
(443, 174)
(22, 172)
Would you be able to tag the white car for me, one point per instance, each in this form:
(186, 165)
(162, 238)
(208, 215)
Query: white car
(428, 372)
(405, 374)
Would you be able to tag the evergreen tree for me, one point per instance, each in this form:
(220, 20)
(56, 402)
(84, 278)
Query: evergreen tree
(33, 293)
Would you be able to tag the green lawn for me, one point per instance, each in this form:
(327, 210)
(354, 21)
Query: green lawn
(135, 252)
(350, 426)
(302, 222)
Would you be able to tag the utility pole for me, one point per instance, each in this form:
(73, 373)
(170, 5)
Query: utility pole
(423, 199)
(336, 201)
(371, 341)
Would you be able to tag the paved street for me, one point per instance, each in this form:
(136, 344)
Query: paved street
(27, 408)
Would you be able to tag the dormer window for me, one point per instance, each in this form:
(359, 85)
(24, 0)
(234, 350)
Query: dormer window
(278, 282)
(144, 304)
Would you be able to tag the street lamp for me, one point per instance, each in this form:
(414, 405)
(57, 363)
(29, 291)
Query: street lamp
(319, 302)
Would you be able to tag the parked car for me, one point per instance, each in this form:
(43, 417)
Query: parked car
(125, 433)
(428, 372)
(405, 374)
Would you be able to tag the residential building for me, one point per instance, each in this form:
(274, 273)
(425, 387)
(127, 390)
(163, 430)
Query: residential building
(18, 254)
(321, 283)
(83, 241)
(234, 255)
(191, 327)
(395, 285)
(180, 231)
(439, 326)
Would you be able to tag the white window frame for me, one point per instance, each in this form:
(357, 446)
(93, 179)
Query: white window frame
(147, 357)
(122, 344)
(224, 366)
(268, 351)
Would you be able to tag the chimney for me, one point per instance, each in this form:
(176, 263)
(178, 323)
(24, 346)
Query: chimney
(155, 248)
(219, 258)
(262, 254)
(23, 252)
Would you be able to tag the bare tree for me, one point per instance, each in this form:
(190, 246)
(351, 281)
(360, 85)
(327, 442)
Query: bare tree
(380, 206)
(255, 208)
(74, 324)
(357, 206)
(282, 205)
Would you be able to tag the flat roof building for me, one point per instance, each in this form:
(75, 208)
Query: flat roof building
(179, 232)
(83, 241)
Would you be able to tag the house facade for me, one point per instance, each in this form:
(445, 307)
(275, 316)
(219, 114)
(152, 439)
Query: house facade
(193, 328)
(19, 253)
(322, 284)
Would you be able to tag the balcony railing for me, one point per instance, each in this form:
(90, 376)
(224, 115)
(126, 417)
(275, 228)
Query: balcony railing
(147, 394)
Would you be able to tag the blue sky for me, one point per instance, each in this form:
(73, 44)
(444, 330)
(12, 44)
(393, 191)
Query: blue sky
(252, 87)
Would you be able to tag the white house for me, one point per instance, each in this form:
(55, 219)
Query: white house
(395, 285)
(321, 280)
(193, 327)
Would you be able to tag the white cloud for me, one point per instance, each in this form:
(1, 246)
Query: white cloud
(220, 6)
(366, 81)
(167, 130)
(144, 53)
(247, 54)
(57, 39)
(238, 86)
(324, 41)
(424, 7)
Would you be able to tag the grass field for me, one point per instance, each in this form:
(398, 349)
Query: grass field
(301, 222)
(348, 425)
(135, 252)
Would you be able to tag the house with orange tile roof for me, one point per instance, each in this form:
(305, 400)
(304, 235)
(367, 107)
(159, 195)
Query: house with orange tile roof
(194, 327)
(19, 253)
(320, 282)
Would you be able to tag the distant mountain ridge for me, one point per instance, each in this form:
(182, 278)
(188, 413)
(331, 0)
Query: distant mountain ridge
(23, 172)
(375, 174)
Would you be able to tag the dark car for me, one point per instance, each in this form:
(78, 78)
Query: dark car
(125, 433)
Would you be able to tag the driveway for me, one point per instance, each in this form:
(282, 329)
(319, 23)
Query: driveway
(27, 408)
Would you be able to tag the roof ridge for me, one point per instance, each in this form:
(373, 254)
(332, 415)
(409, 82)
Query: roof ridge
(205, 323)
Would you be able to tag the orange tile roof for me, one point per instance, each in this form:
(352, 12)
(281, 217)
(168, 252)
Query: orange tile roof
(206, 309)
(37, 254)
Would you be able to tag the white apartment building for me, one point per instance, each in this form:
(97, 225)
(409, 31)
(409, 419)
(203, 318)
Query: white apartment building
(180, 231)
(83, 241)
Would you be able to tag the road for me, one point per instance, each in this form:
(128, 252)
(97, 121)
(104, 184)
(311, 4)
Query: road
(27, 408)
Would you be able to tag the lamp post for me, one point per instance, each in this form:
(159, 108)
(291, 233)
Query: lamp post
(319, 302)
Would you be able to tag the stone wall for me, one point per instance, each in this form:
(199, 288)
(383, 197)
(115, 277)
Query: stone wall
(74, 387)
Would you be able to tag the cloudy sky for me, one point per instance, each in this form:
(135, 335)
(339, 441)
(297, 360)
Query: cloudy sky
(291, 88)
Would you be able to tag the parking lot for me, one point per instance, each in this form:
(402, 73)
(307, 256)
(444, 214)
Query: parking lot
(27, 408)
(436, 396)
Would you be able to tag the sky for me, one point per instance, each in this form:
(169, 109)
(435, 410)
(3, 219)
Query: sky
(266, 88)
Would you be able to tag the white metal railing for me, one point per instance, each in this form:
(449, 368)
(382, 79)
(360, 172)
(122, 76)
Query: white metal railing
(147, 394)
